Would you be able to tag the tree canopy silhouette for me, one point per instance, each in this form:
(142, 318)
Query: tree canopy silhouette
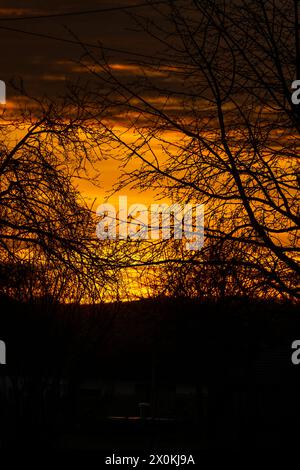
(213, 122)
(47, 241)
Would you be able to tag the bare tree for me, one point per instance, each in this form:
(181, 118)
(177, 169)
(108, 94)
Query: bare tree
(213, 122)
(48, 244)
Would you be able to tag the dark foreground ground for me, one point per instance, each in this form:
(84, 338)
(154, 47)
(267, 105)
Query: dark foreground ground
(166, 375)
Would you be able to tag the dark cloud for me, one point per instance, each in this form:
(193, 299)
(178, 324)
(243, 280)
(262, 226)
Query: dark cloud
(43, 63)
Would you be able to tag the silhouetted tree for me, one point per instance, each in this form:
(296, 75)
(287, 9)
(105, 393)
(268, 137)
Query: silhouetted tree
(48, 244)
(213, 122)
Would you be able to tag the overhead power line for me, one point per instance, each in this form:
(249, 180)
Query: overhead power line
(83, 12)
(151, 58)
(74, 42)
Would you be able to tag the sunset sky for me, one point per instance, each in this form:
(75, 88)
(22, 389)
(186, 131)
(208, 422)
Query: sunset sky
(45, 65)
(188, 127)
